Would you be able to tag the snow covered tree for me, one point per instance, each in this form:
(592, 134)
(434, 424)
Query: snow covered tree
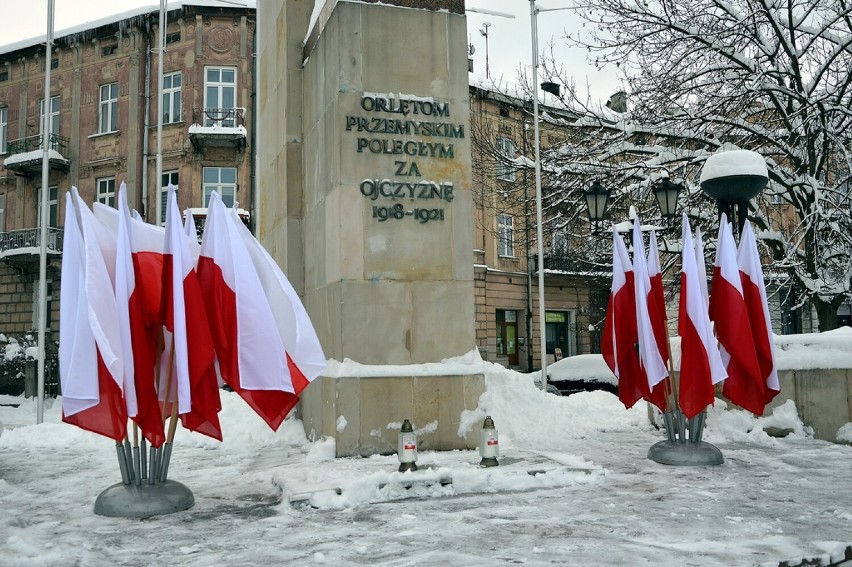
(772, 76)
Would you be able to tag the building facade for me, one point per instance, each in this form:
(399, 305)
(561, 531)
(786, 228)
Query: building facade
(103, 109)
(505, 253)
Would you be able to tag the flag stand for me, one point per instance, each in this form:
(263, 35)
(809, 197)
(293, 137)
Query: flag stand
(683, 445)
(142, 494)
(144, 500)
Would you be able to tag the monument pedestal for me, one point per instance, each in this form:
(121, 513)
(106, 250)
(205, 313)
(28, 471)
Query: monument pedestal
(364, 414)
(365, 199)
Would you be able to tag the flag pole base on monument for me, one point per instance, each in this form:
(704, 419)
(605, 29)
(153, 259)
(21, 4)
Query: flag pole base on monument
(678, 450)
(144, 500)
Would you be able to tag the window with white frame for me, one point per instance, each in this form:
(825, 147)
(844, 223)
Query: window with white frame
(108, 109)
(4, 127)
(171, 97)
(220, 95)
(52, 209)
(53, 117)
(506, 151)
(106, 191)
(223, 180)
(168, 177)
(505, 235)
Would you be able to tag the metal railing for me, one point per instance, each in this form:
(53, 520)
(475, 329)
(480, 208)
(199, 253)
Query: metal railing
(226, 117)
(32, 143)
(30, 238)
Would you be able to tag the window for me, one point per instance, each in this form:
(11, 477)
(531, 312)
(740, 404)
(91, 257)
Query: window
(168, 177)
(108, 50)
(108, 109)
(505, 235)
(172, 37)
(54, 63)
(4, 76)
(4, 127)
(507, 332)
(220, 92)
(506, 151)
(53, 119)
(51, 206)
(106, 191)
(171, 98)
(223, 180)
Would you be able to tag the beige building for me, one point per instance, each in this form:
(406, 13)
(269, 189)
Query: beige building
(505, 258)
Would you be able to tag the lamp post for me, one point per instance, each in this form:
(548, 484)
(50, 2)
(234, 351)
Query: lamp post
(534, 11)
(45, 190)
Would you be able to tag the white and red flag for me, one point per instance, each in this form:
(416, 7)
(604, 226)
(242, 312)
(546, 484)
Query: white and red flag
(306, 359)
(252, 358)
(757, 307)
(659, 318)
(139, 321)
(650, 356)
(743, 386)
(184, 316)
(619, 343)
(701, 365)
(90, 349)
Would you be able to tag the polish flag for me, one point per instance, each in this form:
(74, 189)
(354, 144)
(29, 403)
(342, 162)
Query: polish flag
(701, 364)
(306, 359)
(620, 335)
(650, 355)
(90, 350)
(743, 386)
(139, 325)
(183, 314)
(252, 358)
(657, 312)
(754, 292)
(702, 267)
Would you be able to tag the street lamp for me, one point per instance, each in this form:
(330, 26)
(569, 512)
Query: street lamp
(732, 178)
(597, 198)
(666, 192)
(539, 232)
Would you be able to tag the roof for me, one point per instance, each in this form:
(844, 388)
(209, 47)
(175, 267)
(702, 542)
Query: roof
(126, 15)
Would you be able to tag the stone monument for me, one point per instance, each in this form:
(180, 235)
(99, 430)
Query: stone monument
(365, 201)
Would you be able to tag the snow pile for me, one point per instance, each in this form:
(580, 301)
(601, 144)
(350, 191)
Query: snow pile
(831, 349)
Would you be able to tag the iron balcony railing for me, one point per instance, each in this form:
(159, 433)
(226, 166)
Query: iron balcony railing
(18, 240)
(31, 143)
(225, 117)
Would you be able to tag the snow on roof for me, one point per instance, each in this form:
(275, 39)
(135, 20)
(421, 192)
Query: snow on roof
(734, 162)
(126, 15)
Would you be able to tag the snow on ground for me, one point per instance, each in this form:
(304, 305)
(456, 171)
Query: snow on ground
(595, 498)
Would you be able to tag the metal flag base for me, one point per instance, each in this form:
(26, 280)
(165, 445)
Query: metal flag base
(681, 449)
(144, 500)
(685, 454)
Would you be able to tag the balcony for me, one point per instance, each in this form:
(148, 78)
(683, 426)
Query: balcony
(24, 155)
(24, 246)
(218, 128)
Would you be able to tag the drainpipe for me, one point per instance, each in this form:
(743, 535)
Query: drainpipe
(529, 313)
(146, 121)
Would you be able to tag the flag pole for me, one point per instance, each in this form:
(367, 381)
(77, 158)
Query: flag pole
(45, 181)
